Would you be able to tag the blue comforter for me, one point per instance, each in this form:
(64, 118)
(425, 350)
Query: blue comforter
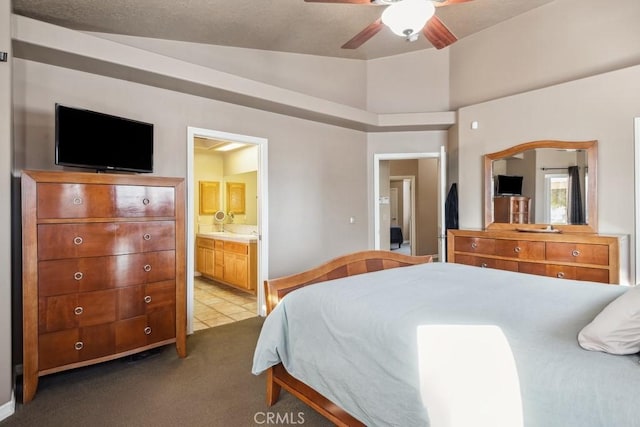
(354, 341)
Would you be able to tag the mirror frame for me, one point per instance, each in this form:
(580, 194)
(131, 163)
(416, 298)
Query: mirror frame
(592, 189)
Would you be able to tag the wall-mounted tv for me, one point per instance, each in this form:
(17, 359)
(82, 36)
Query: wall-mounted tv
(88, 139)
(508, 185)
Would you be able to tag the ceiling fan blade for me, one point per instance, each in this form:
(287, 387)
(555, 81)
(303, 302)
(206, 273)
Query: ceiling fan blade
(438, 34)
(340, 1)
(437, 3)
(364, 35)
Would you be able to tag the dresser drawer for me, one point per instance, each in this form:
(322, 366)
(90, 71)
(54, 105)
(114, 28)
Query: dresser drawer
(579, 253)
(61, 348)
(476, 245)
(520, 249)
(159, 325)
(144, 201)
(67, 276)
(76, 310)
(139, 300)
(477, 261)
(566, 272)
(57, 241)
(71, 200)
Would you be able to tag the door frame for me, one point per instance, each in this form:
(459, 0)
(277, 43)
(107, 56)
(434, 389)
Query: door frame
(263, 212)
(442, 178)
(636, 279)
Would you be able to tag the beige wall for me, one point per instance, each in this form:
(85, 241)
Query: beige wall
(321, 175)
(336, 79)
(558, 42)
(317, 172)
(414, 82)
(6, 366)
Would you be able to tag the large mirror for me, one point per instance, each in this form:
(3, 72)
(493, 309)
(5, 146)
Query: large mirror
(542, 186)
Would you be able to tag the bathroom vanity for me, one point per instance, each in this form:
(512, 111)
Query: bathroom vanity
(228, 258)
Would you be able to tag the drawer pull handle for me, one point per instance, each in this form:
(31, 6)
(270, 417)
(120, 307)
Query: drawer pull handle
(575, 252)
(146, 236)
(77, 200)
(77, 240)
(147, 299)
(145, 201)
(78, 311)
(78, 275)
(560, 275)
(483, 265)
(517, 249)
(474, 245)
(78, 345)
(147, 268)
(147, 330)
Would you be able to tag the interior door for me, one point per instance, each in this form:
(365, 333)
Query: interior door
(393, 194)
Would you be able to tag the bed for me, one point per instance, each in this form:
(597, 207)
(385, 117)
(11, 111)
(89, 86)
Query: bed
(347, 345)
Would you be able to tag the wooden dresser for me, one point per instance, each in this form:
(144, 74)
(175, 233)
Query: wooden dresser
(512, 209)
(580, 256)
(103, 269)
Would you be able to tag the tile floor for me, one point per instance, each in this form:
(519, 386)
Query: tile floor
(217, 304)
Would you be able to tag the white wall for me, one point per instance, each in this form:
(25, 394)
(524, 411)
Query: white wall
(558, 42)
(6, 365)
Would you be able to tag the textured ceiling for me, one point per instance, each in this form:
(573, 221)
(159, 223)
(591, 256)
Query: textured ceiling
(278, 25)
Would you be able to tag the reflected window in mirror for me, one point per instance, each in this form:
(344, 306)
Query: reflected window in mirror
(555, 180)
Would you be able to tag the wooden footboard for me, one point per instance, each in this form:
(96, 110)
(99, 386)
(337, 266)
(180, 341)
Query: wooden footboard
(346, 265)
(276, 289)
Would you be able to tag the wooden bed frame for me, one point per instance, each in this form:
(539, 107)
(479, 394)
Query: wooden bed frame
(276, 289)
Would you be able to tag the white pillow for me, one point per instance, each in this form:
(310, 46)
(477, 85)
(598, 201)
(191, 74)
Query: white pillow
(616, 329)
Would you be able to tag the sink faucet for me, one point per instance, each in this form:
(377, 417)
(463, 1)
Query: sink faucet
(231, 216)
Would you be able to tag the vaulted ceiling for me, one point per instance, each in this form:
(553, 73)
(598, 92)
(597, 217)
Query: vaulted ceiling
(293, 26)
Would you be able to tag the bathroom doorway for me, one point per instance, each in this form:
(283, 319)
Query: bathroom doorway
(226, 160)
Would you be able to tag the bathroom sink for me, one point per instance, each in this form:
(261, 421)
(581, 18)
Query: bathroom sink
(226, 235)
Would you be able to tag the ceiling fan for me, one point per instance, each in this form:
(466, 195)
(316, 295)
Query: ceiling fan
(395, 17)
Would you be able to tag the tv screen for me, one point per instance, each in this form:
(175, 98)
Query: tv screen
(508, 185)
(93, 140)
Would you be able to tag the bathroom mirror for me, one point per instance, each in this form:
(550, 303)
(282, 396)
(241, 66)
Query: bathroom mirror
(555, 184)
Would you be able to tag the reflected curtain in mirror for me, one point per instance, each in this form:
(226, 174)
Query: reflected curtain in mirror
(576, 207)
(209, 197)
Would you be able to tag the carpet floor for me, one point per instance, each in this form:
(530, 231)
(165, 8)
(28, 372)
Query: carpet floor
(213, 386)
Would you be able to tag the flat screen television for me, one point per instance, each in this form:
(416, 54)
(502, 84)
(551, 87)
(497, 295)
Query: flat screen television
(508, 185)
(88, 139)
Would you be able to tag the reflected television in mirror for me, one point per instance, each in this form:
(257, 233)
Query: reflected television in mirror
(508, 185)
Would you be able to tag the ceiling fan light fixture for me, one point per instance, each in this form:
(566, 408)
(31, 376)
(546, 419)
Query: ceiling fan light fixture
(407, 17)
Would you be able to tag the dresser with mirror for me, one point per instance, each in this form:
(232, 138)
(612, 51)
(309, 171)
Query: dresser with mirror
(541, 216)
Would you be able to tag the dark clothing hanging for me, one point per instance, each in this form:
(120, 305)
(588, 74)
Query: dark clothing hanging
(576, 207)
(451, 208)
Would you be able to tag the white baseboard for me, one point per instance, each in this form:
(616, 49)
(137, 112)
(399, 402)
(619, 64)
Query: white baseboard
(8, 408)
